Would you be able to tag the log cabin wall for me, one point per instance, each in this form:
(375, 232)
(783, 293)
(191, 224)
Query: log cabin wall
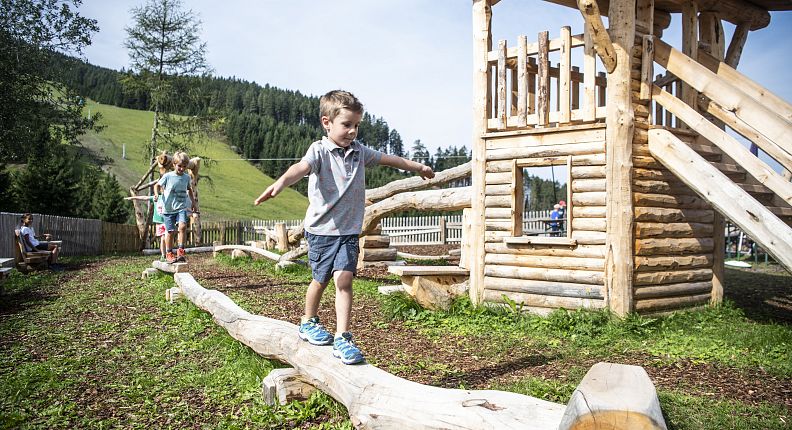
(546, 273)
(675, 230)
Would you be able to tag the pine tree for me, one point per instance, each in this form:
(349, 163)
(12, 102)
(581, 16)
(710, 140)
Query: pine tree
(108, 203)
(164, 44)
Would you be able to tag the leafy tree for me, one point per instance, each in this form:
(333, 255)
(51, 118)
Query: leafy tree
(164, 44)
(32, 103)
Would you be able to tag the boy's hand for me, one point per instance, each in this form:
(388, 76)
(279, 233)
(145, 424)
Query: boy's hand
(269, 193)
(426, 172)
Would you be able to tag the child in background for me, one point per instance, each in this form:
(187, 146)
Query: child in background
(334, 220)
(176, 188)
(156, 218)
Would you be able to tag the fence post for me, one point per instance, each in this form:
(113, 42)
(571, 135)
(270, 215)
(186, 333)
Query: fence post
(443, 238)
(239, 232)
(282, 236)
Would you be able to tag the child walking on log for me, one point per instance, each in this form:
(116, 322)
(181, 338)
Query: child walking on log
(335, 167)
(176, 189)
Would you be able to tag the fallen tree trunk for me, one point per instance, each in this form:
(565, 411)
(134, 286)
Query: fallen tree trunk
(374, 398)
(294, 254)
(450, 199)
(416, 183)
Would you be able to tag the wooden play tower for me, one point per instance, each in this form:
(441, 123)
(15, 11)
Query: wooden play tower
(652, 170)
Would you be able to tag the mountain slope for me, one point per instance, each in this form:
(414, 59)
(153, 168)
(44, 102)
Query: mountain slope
(231, 184)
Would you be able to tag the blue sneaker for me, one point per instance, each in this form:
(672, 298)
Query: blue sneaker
(314, 332)
(345, 349)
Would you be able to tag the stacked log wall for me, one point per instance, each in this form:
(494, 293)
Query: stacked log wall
(673, 229)
(546, 277)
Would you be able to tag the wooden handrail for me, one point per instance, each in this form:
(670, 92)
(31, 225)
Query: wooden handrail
(757, 168)
(748, 86)
(778, 154)
(726, 93)
(727, 197)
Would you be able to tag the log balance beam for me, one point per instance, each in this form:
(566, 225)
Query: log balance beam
(376, 399)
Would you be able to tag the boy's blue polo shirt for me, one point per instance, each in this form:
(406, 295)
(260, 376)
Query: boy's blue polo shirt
(337, 187)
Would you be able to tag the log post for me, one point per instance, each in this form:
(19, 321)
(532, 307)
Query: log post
(711, 29)
(282, 236)
(482, 43)
(619, 138)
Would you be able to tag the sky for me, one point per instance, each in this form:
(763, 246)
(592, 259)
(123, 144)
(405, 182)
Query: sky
(409, 61)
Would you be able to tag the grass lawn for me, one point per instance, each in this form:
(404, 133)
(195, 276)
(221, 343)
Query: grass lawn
(96, 347)
(230, 185)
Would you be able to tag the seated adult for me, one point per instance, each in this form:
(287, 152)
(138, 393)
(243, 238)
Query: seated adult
(32, 243)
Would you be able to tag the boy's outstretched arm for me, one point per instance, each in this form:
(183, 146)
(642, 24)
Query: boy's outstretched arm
(409, 165)
(296, 172)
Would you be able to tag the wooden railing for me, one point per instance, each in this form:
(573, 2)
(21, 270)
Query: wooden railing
(524, 79)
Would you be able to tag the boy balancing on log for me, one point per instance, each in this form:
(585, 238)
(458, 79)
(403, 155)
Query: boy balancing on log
(335, 167)
(176, 188)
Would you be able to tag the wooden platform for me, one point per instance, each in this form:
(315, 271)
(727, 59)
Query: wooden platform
(428, 270)
(433, 287)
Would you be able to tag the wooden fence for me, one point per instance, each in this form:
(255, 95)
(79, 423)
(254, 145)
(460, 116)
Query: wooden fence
(230, 232)
(80, 236)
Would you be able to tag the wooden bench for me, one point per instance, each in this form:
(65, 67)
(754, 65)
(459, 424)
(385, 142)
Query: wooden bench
(433, 287)
(28, 260)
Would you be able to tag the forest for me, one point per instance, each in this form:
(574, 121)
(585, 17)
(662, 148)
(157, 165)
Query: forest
(269, 126)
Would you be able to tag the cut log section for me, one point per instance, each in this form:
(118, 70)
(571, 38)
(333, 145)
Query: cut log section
(614, 396)
(374, 398)
(284, 385)
(169, 268)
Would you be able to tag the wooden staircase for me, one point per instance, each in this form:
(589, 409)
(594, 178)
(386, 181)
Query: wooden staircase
(714, 164)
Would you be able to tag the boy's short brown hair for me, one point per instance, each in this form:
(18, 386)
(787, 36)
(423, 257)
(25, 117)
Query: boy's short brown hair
(181, 158)
(332, 103)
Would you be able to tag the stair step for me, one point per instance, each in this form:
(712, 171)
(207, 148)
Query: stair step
(730, 170)
(6, 262)
(780, 211)
(758, 191)
(706, 150)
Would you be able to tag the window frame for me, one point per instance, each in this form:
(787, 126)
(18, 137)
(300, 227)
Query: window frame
(517, 198)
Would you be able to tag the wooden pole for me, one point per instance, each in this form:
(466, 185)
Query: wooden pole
(282, 235)
(619, 138)
(482, 43)
(599, 34)
(711, 30)
(737, 43)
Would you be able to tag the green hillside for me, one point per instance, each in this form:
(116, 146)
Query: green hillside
(233, 186)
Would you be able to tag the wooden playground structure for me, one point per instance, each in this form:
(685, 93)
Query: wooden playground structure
(651, 175)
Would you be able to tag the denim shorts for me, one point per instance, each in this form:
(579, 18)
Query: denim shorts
(326, 254)
(172, 219)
